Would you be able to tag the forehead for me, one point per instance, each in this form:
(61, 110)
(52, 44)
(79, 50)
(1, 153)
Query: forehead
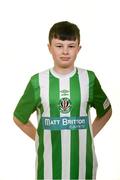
(58, 41)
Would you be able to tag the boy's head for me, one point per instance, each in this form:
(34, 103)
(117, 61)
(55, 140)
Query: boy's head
(64, 30)
(64, 44)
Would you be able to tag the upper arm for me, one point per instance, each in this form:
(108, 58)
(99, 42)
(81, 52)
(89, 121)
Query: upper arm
(28, 102)
(17, 121)
(99, 100)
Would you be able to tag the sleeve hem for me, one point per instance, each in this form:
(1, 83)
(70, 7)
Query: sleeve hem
(102, 114)
(21, 119)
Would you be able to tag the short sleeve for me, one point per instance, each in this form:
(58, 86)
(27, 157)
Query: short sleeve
(29, 101)
(100, 100)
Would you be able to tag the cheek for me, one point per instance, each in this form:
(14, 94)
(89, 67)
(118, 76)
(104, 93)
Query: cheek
(55, 56)
(56, 53)
(74, 54)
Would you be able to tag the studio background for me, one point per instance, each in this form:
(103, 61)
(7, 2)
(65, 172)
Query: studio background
(24, 27)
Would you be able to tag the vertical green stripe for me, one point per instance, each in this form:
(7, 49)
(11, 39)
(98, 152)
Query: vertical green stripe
(89, 156)
(55, 135)
(75, 111)
(35, 83)
(40, 131)
(40, 170)
(89, 153)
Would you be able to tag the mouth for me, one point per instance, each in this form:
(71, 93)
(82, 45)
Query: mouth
(65, 58)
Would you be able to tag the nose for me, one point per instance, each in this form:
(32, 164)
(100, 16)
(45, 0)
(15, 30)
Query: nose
(65, 50)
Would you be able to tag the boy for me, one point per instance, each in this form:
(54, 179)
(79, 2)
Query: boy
(62, 97)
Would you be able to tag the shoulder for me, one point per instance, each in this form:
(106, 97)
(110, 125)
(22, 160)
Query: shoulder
(34, 80)
(39, 74)
(90, 73)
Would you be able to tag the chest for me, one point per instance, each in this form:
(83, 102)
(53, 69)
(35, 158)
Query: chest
(65, 95)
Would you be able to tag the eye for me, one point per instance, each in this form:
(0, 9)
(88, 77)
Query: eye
(71, 46)
(59, 46)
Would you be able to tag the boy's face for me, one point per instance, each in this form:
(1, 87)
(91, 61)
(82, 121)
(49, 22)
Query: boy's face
(64, 52)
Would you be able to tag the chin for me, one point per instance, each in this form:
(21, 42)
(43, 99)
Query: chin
(65, 66)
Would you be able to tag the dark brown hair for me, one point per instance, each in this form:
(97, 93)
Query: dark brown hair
(64, 30)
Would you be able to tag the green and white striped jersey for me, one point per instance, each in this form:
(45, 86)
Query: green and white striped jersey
(65, 147)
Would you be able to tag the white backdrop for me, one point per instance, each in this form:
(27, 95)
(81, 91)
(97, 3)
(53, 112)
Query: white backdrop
(24, 27)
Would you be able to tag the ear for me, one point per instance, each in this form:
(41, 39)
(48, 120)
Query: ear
(49, 47)
(79, 48)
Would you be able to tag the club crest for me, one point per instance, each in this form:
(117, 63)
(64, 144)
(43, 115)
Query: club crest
(65, 105)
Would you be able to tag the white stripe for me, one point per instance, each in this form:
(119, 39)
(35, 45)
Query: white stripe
(65, 134)
(84, 84)
(44, 88)
(95, 163)
(84, 87)
(37, 143)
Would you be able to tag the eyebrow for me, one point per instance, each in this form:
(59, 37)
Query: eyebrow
(72, 44)
(58, 43)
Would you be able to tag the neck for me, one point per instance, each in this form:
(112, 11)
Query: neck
(62, 70)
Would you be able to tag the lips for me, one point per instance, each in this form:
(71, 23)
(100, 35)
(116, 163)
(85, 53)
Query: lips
(65, 58)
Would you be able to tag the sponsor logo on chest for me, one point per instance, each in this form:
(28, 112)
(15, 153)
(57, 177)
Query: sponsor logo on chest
(65, 123)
